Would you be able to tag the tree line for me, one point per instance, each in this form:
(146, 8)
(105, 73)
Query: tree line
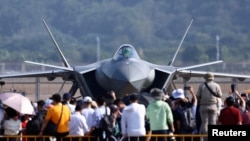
(154, 28)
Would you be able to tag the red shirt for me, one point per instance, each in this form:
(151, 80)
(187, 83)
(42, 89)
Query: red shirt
(24, 123)
(246, 118)
(230, 116)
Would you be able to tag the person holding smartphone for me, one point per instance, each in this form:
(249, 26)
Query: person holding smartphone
(239, 103)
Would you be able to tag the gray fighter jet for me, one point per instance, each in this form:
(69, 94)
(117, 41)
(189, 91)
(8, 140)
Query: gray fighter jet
(124, 73)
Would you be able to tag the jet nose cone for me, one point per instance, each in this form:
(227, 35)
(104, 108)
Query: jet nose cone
(130, 72)
(126, 76)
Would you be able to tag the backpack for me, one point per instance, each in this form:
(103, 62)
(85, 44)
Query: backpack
(189, 123)
(34, 125)
(106, 125)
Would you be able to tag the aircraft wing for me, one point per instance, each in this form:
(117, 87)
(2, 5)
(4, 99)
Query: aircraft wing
(52, 73)
(191, 73)
(58, 72)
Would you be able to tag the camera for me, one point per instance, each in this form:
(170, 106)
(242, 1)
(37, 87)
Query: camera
(232, 87)
(243, 94)
(2, 83)
(187, 88)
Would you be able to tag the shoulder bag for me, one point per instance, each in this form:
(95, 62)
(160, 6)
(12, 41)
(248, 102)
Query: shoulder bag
(51, 127)
(213, 93)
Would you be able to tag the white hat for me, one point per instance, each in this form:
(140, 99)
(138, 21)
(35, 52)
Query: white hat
(87, 99)
(48, 103)
(178, 93)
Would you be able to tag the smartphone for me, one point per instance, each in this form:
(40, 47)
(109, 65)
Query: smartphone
(243, 94)
(165, 91)
(232, 87)
(187, 88)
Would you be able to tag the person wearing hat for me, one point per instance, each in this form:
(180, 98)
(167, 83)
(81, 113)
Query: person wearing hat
(60, 115)
(87, 110)
(207, 96)
(184, 111)
(159, 115)
(66, 100)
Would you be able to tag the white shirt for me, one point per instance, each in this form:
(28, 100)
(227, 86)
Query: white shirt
(98, 114)
(88, 114)
(71, 107)
(78, 125)
(1, 116)
(133, 120)
(12, 127)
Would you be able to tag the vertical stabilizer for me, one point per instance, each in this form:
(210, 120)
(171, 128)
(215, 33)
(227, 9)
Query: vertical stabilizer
(184, 36)
(65, 62)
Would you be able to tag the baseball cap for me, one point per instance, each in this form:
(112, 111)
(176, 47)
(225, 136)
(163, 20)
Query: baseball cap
(66, 96)
(87, 99)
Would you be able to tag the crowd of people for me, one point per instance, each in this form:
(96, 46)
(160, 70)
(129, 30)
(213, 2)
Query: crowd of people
(164, 115)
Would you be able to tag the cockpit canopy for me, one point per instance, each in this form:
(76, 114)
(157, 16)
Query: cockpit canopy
(126, 51)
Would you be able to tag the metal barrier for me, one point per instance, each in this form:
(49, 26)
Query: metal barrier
(180, 137)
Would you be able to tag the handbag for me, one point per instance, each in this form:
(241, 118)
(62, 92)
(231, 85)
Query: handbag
(51, 127)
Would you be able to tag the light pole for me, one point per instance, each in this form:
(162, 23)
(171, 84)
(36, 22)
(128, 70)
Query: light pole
(217, 47)
(98, 48)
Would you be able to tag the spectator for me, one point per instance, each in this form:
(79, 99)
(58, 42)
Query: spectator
(67, 100)
(12, 124)
(88, 111)
(207, 95)
(24, 120)
(1, 118)
(230, 115)
(133, 119)
(41, 109)
(54, 114)
(34, 125)
(246, 114)
(244, 96)
(115, 115)
(120, 105)
(78, 125)
(111, 97)
(98, 114)
(159, 115)
(184, 112)
(240, 102)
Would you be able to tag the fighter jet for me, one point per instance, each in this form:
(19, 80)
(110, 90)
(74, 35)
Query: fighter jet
(124, 73)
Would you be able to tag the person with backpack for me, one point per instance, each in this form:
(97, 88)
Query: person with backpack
(184, 112)
(98, 115)
(34, 125)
